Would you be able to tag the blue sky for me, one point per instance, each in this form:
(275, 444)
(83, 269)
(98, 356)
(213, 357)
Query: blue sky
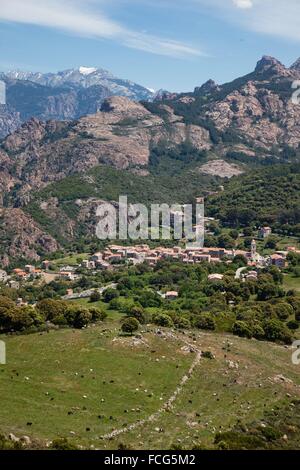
(172, 44)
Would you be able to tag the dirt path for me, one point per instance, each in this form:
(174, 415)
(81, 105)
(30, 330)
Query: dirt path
(168, 404)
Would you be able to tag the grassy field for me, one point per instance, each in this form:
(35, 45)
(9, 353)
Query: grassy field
(82, 384)
(291, 282)
(71, 260)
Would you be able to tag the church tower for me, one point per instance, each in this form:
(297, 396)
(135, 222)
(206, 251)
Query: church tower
(253, 250)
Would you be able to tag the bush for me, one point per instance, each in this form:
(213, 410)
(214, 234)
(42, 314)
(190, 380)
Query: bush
(207, 355)
(292, 325)
(283, 310)
(242, 329)
(162, 319)
(97, 314)
(182, 323)
(82, 316)
(26, 317)
(258, 331)
(50, 309)
(62, 444)
(277, 331)
(130, 325)
(205, 322)
(7, 309)
(138, 313)
(110, 294)
(95, 296)
(6, 444)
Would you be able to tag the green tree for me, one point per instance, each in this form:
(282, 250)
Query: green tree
(242, 329)
(162, 319)
(110, 294)
(130, 325)
(275, 330)
(204, 321)
(138, 313)
(95, 296)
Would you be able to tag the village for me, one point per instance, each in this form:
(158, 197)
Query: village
(113, 256)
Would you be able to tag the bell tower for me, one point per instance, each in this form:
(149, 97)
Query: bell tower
(253, 250)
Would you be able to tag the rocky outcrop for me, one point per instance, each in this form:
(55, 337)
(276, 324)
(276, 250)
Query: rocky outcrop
(23, 237)
(9, 120)
(220, 168)
(207, 87)
(270, 65)
(121, 135)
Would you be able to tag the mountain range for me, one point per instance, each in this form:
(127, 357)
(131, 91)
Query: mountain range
(69, 94)
(171, 149)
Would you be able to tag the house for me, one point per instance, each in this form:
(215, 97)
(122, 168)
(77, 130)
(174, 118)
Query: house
(88, 264)
(20, 273)
(171, 295)
(96, 257)
(278, 260)
(67, 275)
(251, 276)
(199, 258)
(215, 277)
(151, 260)
(46, 264)
(29, 268)
(264, 232)
(103, 265)
(14, 284)
(70, 269)
(3, 276)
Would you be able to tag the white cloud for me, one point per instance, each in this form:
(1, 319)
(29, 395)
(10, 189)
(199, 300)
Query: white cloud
(272, 17)
(83, 17)
(244, 4)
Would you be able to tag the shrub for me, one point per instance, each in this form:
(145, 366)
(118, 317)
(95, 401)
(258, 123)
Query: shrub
(292, 325)
(162, 319)
(26, 317)
(97, 314)
(50, 308)
(95, 296)
(62, 444)
(242, 329)
(130, 325)
(258, 331)
(283, 310)
(138, 313)
(82, 316)
(204, 321)
(277, 331)
(182, 323)
(110, 294)
(207, 355)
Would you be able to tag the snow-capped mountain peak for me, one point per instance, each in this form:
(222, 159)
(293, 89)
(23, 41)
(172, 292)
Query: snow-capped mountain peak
(87, 70)
(83, 78)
